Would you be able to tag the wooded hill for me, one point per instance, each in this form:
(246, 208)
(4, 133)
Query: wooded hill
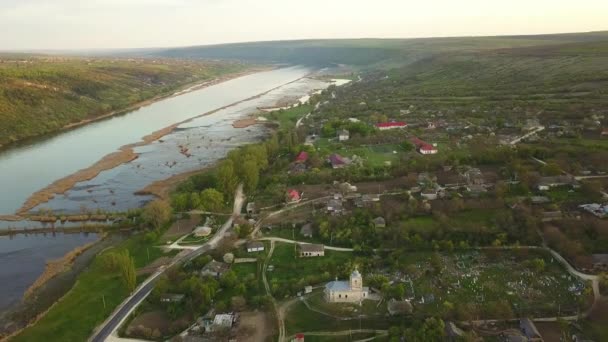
(40, 95)
(366, 52)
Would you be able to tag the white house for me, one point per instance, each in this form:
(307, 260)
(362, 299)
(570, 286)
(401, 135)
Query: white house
(343, 135)
(351, 291)
(255, 246)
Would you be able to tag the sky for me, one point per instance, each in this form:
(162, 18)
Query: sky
(99, 24)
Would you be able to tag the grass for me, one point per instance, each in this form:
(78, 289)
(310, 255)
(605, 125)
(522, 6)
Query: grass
(300, 319)
(75, 316)
(295, 272)
(289, 117)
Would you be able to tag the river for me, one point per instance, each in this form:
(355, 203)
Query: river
(28, 168)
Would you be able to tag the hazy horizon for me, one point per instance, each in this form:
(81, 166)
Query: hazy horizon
(129, 24)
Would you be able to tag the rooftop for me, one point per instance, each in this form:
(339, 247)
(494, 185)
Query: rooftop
(310, 247)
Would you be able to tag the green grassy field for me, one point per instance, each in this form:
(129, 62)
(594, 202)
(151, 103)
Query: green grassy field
(294, 273)
(75, 316)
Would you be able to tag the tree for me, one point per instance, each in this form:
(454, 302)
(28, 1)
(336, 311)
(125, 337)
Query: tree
(250, 175)
(227, 177)
(212, 200)
(157, 213)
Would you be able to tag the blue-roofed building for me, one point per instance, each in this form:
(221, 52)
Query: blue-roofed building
(343, 291)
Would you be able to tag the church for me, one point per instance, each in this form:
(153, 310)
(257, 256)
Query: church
(351, 291)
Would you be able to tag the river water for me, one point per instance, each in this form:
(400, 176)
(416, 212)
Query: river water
(28, 168)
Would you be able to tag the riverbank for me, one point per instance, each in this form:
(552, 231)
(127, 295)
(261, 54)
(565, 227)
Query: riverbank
(180, 90)
(124, 155)
(52, 290)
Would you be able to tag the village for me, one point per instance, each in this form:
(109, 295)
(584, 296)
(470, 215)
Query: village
(366, 219)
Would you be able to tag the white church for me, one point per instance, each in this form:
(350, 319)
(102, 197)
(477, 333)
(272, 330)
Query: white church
(342, 291)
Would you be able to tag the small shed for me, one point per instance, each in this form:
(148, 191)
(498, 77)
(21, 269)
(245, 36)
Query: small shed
(251, 210)
(171, 298)
(343, 135)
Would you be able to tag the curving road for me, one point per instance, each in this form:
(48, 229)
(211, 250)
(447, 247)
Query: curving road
(107, 329)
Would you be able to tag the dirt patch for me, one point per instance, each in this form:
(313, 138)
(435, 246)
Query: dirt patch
(254, 326)
(162, 188)
(244, 123)
(550, 331)
(181, 227)
(152, 324)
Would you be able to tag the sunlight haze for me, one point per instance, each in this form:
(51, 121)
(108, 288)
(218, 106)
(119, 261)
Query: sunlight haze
(90, 24)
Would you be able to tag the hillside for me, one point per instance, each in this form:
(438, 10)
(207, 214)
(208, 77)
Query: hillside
(365, 52)
(39, 95)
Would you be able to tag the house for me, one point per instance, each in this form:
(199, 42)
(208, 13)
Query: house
(399, 307)
(343, 135)
(476, 189)
(351, 291)
(171, 298)
(429, 194)
(551, 215)
(311, 250)
(600, 262)
(302, 157)
(221, 322)
(307, 289)
(539, 199)
(306, 230)
(546, 183)
(202, 231)
(255, 246)
(379, 222)
(368, 198)
(596, 209)
(215, 269)
(529, 329)
(604, 132)
(423, 147)
(337, 161)
(298, 338)
(251, 208)
(293, 196)
(334, 206)
(383, 126)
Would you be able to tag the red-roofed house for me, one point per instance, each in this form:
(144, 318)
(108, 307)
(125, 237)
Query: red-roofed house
(390, 125)
(293, 196)
(302, 157)
(423, 147)
(337, 161)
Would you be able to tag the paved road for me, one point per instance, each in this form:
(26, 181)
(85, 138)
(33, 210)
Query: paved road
(122, 312)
